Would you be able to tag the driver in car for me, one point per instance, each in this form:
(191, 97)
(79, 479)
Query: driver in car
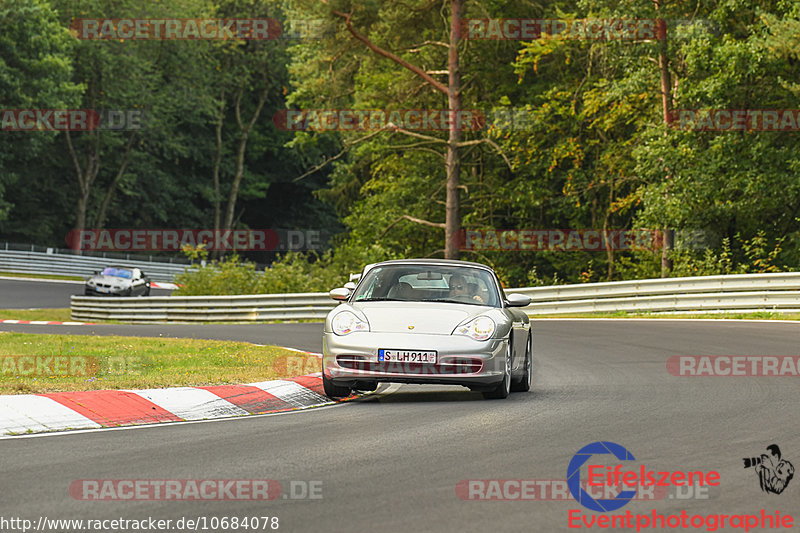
(459, 287)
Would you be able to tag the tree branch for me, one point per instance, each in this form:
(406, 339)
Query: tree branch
(416, 220)
(340, 154)
(389, 55)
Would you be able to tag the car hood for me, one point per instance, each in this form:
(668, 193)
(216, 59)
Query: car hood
(111, 280)
(432, 318)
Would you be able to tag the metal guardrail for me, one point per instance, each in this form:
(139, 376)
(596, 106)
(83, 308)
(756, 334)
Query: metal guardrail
(80, 265)
(746, 292)
(743, 292)
(203, 308)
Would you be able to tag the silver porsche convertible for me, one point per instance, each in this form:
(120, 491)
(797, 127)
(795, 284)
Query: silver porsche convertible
(427, 321)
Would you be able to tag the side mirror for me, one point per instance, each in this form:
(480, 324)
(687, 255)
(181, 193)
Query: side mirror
(340, 294)
(518, 300)
(350, 286)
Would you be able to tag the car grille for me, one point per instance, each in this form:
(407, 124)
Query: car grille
(463, 365)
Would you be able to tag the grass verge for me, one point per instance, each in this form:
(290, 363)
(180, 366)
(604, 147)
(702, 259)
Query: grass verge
(50, 315)
(40, 276)
(35, 363)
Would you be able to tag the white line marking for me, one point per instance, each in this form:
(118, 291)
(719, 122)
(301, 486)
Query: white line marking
(19, 413)
(291, 392)
(168, 424)
(190, 403)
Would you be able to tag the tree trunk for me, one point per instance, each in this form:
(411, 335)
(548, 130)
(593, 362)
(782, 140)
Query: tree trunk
(85, 178)
(218, 160)
(101, 215)
(667, 243)
(666, 107)
(453, 160)
(244, 134)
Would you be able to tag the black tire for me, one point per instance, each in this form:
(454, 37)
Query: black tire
(503, 388)
(146, 291)
(523, 384)
(332, 390)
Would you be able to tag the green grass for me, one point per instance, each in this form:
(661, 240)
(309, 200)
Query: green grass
(51, 315)
(89, 362)
(760, 315)
(39, 276)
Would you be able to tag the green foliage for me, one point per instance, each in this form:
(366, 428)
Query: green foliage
(750, 256)
(590, 148)
(293, 272)
(35, 72)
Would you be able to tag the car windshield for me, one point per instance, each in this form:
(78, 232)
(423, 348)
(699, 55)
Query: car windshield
(118, 272)
(429, 283)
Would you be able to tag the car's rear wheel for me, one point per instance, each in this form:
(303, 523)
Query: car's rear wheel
(503, 388)
(524, 383)
(333, 390)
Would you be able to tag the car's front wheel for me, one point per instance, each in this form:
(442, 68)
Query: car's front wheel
(503, 388)
(524, 382)
(333, 390)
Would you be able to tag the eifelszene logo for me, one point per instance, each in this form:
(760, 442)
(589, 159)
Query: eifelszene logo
(774, 473)
(607, 476)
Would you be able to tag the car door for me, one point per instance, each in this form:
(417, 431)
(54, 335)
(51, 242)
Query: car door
(137, 285)
(519, 330)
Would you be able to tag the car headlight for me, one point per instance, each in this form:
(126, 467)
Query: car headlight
(480, 328)
(346, 322)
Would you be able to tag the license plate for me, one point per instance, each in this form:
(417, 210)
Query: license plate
(98, 289)
(407, 356)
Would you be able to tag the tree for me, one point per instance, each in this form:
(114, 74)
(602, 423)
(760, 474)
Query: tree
(364, 24)
(35, 72)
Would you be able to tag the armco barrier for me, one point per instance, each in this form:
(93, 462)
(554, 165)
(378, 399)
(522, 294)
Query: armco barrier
(80, 265)
(746, 292)
(247, 308)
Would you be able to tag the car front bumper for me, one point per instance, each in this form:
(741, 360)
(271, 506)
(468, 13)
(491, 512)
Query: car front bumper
(93, 291)
(460, 360)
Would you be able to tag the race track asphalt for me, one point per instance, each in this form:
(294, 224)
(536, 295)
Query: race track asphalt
(29, 294)
(393, 461)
